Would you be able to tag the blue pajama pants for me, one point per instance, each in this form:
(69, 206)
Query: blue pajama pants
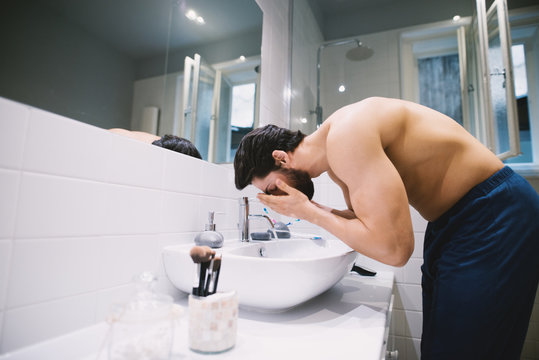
(480, 272)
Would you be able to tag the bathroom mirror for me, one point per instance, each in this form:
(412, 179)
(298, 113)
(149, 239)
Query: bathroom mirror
(117, 64)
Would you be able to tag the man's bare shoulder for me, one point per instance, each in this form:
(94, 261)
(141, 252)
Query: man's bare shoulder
(370, 117)
(137, 135)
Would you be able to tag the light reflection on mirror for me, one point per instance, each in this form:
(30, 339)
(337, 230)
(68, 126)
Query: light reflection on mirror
(111, 63)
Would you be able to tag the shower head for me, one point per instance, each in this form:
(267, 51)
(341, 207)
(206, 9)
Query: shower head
(360, 52)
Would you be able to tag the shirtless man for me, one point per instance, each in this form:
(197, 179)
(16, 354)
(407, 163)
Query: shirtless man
(481, 250)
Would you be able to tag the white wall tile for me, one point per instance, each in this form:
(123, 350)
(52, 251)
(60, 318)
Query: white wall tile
(412, 271)
(132, 210)
(60, 146)
(47, 269)
(180, 213)
(418, 245)
(214, 180)
(418, 222)
(182, 173)
(13, 124)
(123, 257)
(108, 299)
(5, 262)
(413, 323)
(408, 297)
(133, 162)
(31, 324)
(397, 326)
(56, 206)
(399, 344)
(9, 191)
(222, 217)
(1, 330)
(413, 349)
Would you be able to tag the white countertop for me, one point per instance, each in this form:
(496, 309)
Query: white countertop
(347, 321)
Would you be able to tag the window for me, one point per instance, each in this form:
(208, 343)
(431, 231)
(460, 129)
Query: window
(242, 114)
(439, 85)
(437, 59)
(521, 93)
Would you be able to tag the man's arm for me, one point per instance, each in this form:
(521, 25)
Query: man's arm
(348, 214)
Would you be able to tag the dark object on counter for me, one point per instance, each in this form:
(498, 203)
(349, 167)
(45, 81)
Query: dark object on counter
(213, 276)
(363, 271)
(204, 257)
(209, 267)
(281, 229)
(260, 235)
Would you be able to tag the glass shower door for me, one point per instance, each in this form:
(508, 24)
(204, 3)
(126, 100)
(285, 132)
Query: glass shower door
(199, 114)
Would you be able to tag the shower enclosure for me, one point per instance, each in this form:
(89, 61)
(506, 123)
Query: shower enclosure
(357, 53)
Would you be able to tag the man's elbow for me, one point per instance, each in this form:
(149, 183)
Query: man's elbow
(401, 252)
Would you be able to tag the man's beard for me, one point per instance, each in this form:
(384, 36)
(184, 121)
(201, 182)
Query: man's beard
(300, 180)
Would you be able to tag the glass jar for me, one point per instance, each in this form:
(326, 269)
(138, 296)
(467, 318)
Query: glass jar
(143, 328)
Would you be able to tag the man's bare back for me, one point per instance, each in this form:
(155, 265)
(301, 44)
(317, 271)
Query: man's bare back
(436, 158)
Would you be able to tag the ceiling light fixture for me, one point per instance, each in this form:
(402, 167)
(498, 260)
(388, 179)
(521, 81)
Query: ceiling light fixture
(456, 18)
(191, 15)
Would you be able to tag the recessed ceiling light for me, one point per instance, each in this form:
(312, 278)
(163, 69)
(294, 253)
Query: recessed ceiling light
(242, 58)
(303, 120)
(456, 18)
(342, 88)
(191, 15)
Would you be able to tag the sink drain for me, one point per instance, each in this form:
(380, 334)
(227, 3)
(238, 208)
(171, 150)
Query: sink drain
(262, 251)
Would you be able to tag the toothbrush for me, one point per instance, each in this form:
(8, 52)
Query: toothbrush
(306, 236)
(293, 222)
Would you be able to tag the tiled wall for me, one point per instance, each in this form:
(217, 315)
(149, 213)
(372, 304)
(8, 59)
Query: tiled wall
(83, 211)
(274, 91)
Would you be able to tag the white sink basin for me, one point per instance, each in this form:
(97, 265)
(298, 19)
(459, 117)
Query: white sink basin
(271, 275)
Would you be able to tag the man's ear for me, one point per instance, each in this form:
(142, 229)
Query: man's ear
(281, 158)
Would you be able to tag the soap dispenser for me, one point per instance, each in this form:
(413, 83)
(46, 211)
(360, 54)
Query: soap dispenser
(210, 237)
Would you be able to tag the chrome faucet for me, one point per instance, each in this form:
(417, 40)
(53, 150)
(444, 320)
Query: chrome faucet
(244, 217)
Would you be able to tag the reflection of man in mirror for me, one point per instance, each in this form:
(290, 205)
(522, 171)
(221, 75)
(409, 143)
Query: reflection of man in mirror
(481, 249)
(171, 142)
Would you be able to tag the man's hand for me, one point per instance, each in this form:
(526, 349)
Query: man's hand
(294, 204)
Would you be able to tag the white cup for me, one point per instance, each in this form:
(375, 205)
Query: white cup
(213, 322)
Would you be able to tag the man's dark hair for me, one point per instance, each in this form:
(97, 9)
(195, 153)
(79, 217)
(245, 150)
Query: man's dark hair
(178, 144)
(254, 155)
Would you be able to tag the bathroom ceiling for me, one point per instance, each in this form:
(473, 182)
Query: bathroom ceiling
(139, 28)
(345, 18)
(142, 30)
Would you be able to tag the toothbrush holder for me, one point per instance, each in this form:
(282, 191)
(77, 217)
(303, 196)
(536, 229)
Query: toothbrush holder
(213, 322)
